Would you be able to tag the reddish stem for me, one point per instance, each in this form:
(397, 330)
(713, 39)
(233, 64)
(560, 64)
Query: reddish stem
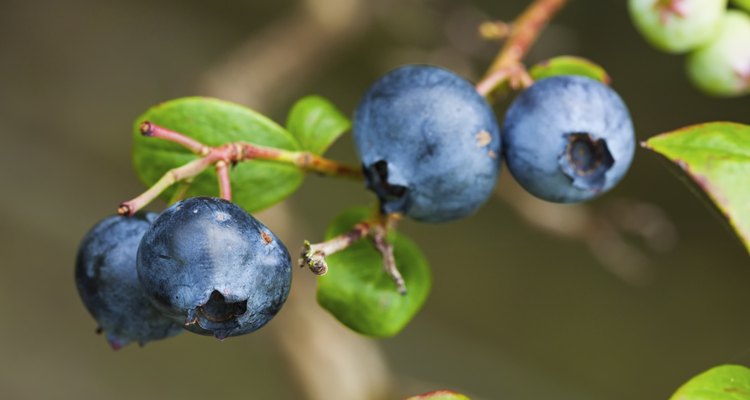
(225, 186)
(524, 32)
(222, 157)
(526, 29)
(152, 130)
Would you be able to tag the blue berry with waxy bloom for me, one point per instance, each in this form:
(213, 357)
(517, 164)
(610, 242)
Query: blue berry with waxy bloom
(210, 265)
(568, 139)
(429, 143)
(108, 283)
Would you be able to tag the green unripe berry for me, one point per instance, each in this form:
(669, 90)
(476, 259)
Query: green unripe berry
(677, 26)
(722, 67)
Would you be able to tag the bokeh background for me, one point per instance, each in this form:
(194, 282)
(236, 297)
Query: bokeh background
(623, 298)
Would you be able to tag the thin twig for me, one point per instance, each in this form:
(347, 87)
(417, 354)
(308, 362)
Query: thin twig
(313, 256)
(223, 156)
(389, 261)
(303, 160)
(189, 170)
(526, 28)
(151, 130)
(222, 174)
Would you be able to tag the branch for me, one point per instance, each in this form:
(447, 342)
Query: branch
(302, 159)
(151, 130)
(223, 156)
(313, 256)
(526, 28)
(187, 171)
(523, 33)
(389, 261)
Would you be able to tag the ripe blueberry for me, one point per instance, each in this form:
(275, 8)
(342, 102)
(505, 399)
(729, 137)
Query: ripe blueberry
(207, 263)
(722, 67)
(108, 283)
(677, 26)
(568, 139)
(428, 142)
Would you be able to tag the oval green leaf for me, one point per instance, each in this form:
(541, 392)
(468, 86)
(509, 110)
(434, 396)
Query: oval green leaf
(357, 290)
(725, 382)
(716, 156)
(256, 184)
(440, 395)
(316, 123)
(569, 65)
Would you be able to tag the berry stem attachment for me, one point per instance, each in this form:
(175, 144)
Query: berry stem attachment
(516, 75)
(225, 186)
(523, 33)
(181, 191)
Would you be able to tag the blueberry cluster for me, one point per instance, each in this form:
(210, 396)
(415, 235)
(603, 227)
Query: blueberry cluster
(203, 264)
(431, 149)
(430, 144)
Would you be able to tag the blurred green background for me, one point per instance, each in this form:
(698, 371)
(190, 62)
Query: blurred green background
(516, 312)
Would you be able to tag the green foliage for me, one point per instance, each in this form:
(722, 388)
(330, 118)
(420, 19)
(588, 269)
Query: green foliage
(725, 382)
(742, 4)
(440, 395)
(357, 290)
(316, 123)
(716, 156)
(569, 65)
(256, 184)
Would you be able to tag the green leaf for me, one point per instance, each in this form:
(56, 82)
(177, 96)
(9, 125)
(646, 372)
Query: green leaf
(716, 156)
(357, 290)
(569, 65)
(256, 184)
(725, 382)
(745, 4)
(440, 395)
(316, 123)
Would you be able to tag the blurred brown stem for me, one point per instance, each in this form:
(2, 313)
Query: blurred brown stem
(507, 65)
(526, 28)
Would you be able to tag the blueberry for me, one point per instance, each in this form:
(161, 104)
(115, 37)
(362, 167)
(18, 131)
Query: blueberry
(429, 143)
(677, 26)
(108, 283)
(568, 139)
(208, 264)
